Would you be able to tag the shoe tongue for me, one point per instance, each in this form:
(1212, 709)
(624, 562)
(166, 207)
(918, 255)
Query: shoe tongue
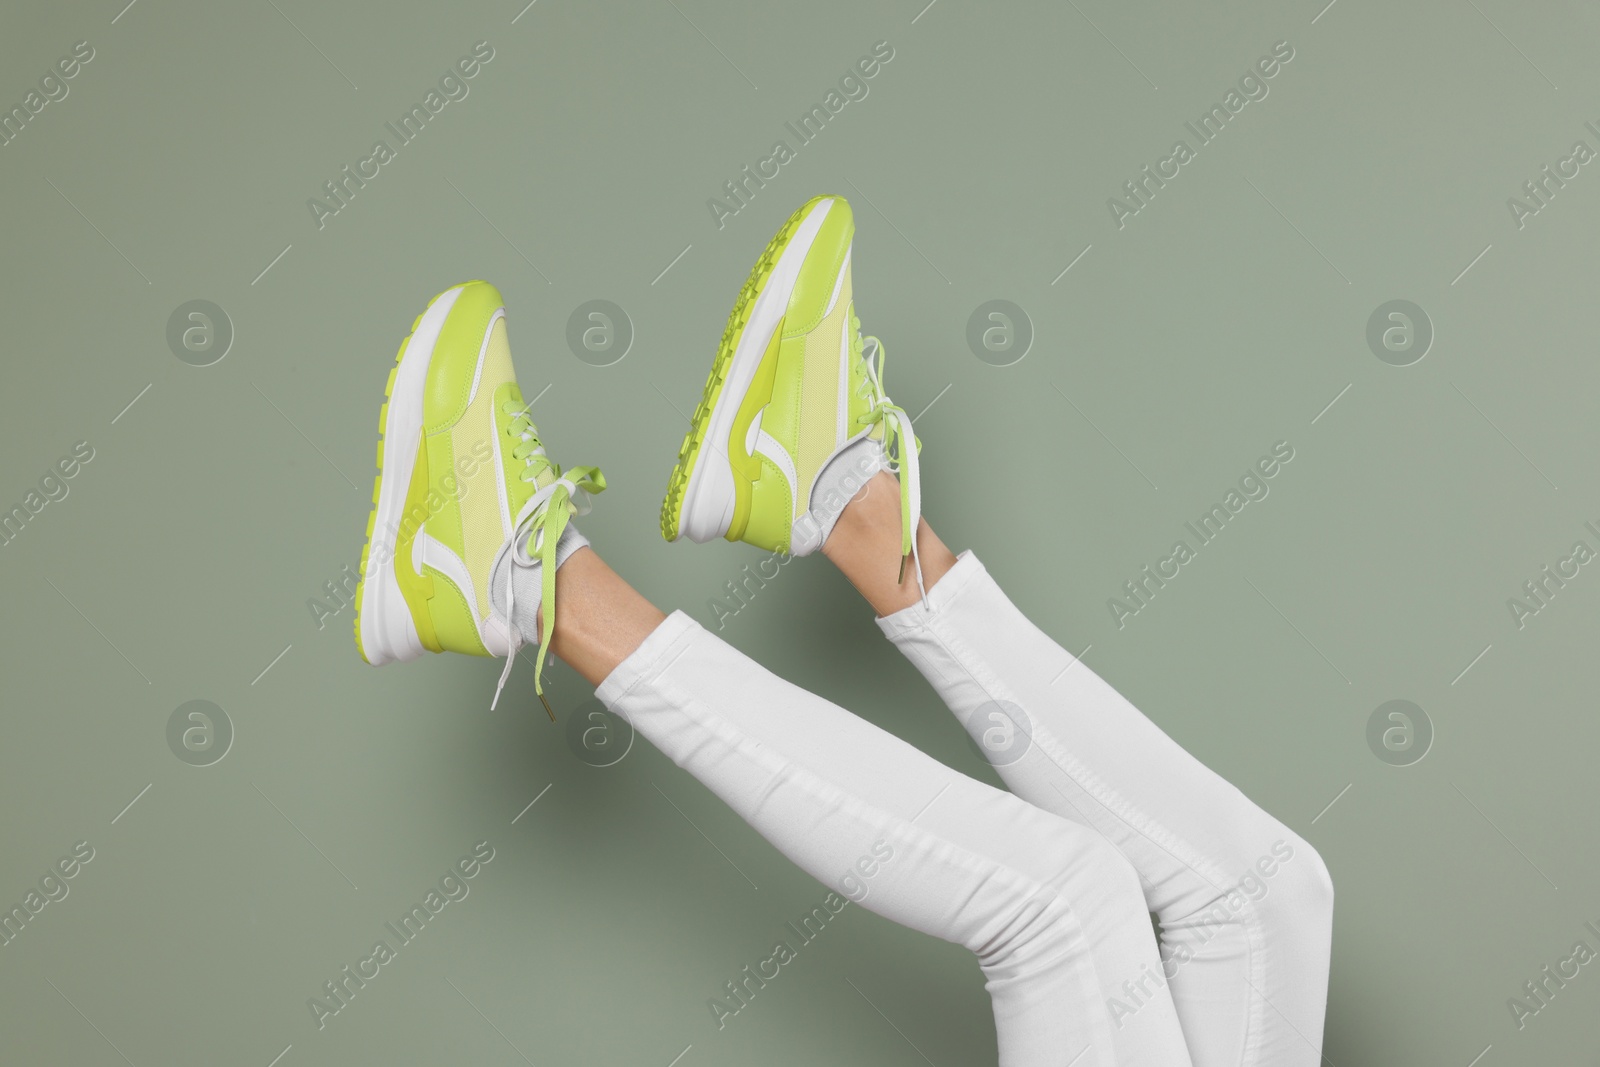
(519, 489)
(860, 399)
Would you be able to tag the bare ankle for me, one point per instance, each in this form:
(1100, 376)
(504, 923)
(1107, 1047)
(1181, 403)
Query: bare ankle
(866, 547)
(874, 512)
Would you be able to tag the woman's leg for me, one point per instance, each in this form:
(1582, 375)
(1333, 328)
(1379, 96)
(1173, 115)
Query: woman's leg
(1245, 905)
(1052, 910)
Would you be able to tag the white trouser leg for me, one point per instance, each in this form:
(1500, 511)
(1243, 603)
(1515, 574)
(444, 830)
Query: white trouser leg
(1053, 912)
(1245, 905)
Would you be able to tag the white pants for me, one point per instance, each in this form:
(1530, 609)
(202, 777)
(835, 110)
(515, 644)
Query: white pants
(1050, 885)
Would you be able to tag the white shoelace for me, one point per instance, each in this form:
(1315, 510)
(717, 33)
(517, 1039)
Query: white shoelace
(539, 526)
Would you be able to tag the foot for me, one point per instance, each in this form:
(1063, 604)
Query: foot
(794, 387)
(463, 483)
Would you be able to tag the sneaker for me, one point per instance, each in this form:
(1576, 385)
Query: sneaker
(794, 385)
(463, 480)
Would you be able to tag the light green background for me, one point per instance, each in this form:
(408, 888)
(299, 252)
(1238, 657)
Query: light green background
(1223, 318)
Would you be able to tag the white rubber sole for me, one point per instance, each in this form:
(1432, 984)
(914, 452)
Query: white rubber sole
(709, 498)
(388, 633)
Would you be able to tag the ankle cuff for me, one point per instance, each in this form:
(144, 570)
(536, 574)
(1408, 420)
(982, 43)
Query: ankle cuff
(841, 479)
(528, 582)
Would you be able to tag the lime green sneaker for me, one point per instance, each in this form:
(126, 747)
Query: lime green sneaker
(793, 386)
(463, 481)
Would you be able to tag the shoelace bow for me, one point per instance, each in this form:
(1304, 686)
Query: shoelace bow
(900, 445)
(537, 531)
